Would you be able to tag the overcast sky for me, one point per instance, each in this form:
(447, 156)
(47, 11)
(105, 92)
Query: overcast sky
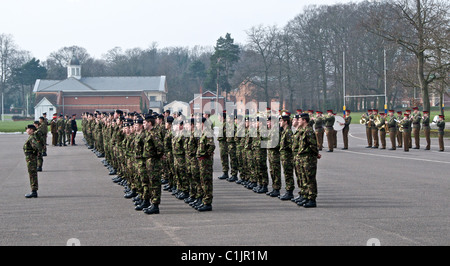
(44, 26)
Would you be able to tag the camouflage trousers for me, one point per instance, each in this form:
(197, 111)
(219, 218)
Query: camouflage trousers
(275, 167)
(61, 137)
(40, 159)
(195, 189)
(224, 156)
(260, 166)
(32, 170)
(240, 161)
(140, 176)
(169, 171)
(288, 169)
(206, 178)
(306, 168)
(180, 172)
(232, 151)
(152, 181)
(250, 170)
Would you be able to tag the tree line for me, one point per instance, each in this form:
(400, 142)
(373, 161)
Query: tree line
(398, 46)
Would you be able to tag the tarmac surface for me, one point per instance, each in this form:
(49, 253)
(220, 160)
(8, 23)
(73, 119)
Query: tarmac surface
(397, 197)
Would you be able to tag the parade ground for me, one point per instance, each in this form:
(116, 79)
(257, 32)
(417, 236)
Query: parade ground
(397, 198)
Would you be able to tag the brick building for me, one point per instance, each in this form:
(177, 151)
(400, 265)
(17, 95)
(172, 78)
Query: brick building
(77, 94)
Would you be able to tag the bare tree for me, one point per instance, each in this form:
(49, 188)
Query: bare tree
(415, 25)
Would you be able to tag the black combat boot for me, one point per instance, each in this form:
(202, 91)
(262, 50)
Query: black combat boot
(302, 201)
(310, 203)
(287, 196)
(204, 208)
(33, 194)
(153, 209)
(39, 169)
(224, 176)
(274, 193)
(130, 194)
(143, 205)
(262, 189)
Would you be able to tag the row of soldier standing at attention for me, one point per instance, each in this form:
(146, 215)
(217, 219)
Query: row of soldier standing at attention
(400, 127)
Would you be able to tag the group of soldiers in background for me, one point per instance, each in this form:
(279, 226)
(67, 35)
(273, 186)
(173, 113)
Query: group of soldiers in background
(149, 150)
(64, 130)
(399, 128)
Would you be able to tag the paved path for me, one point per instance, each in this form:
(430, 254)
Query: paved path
(399, 198)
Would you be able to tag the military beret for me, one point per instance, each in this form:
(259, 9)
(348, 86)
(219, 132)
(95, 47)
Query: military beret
(139, 121)
(170, 119)
(30, 126)
(415, 108)
(425, 112)
(149, 116)
(119, 111)
(41, 117)
(441, 116)
(304, 115)
(44, 113)
(203, 119)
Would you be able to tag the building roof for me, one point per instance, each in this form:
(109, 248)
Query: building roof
(102, 84)
(206, 95)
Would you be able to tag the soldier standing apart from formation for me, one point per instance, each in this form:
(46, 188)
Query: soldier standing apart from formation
(329, 130)
(307, 154)
(441, 127)
(205, 156)
(346, 129)
(416, 117)
(31, 149)
(392, 125)
(286, 156)
(409, 129)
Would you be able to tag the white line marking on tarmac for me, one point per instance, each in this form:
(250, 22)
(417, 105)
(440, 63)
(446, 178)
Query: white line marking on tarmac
(398, 157)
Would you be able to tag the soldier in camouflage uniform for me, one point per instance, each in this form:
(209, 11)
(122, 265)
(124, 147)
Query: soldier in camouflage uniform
(153, 150)
(205, 156)
(40, 137)
(240, 143)
(260, 157)
(61, 123)
(232, 148)
(273, 152)
(286, 156)
(139, 164)
(168, 156)
(306, 162)
(192, 167)
(31, 149)
(68, 129)
(223, 146)
(179, 158)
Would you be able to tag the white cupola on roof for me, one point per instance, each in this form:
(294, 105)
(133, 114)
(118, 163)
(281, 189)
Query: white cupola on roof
(74, 68)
